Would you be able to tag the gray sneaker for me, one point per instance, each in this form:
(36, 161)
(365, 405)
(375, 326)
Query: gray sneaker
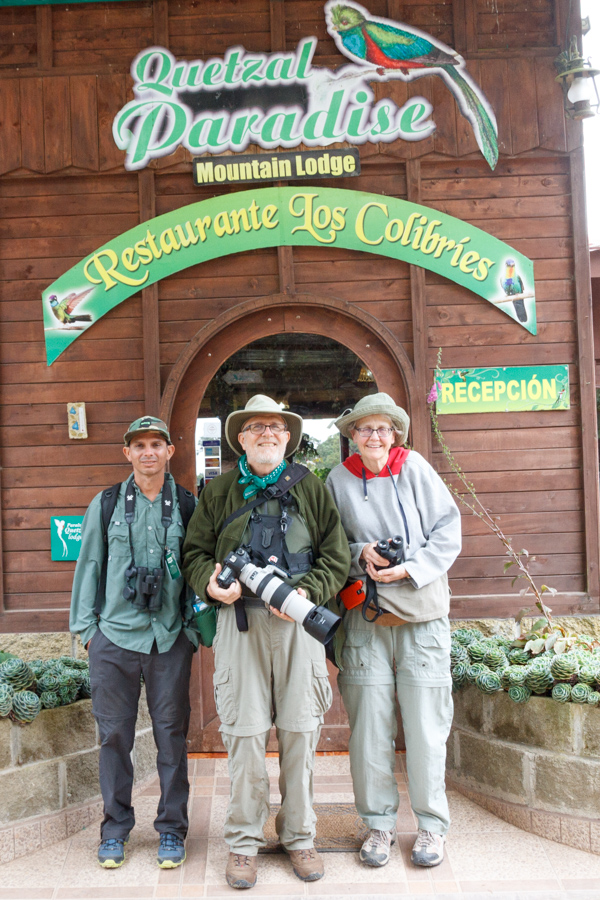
(376, 849)
(428, 849)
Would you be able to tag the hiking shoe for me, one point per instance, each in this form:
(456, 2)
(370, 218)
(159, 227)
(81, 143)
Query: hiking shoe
(171, 851)
(307, 864)
(111, 853)
(376, 849)
(428, 849)
(241, 871)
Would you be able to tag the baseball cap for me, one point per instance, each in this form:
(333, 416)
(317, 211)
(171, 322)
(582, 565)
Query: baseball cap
(147, 423)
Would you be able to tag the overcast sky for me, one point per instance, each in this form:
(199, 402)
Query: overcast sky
(591, 127)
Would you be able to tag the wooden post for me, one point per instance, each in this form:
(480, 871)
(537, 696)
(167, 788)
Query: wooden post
(43, 16)
(421, 428)
(150, 324)
(161, 22)
(587, 381)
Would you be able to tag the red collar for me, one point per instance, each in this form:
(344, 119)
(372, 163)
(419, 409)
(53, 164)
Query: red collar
(395, 462)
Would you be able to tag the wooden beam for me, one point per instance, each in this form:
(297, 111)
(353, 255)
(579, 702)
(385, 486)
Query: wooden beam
(43, 16)
(421, 426)
(277, 15)
(285, 261)
(150, 322)
(161, 22)
(587, 382)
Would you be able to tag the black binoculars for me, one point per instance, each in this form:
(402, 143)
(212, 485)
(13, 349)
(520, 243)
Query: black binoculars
(148, 584)
(392, 550)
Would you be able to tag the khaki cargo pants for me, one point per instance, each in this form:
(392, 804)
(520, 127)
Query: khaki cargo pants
(274, 673)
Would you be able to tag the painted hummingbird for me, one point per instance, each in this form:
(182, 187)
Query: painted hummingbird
(512, 285)
(62, 309)
(395, 46)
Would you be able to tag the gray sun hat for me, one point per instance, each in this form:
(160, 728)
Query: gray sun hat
(260, 405)
(375, 405)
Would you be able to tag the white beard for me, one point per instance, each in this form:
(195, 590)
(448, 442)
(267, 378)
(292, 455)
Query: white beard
(266, 456)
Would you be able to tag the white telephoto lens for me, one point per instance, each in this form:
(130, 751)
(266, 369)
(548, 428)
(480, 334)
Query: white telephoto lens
(296, 607)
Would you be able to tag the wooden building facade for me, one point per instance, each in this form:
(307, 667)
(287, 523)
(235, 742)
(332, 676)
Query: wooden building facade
(64, 191)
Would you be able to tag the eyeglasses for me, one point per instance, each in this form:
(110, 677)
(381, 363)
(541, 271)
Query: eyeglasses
(383, 432)
(260, 428)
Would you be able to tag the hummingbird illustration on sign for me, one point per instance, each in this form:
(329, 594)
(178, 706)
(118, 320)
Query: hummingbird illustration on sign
(399, 50)
(513, 287)
(60, 525)
(63, 309)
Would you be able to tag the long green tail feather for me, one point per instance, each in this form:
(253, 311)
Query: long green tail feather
(485, 131)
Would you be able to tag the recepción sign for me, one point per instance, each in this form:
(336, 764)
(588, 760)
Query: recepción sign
(65, 537)
(510, 389)
(280, 216)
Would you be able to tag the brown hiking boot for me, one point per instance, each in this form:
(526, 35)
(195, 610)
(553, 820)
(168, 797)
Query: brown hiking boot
(307, 864)
(241, 871)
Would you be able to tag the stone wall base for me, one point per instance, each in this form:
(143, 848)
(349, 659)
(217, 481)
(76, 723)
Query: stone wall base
(37, 832)
(574, 831)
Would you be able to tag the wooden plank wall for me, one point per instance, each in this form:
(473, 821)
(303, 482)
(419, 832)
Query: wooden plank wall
(64, 192)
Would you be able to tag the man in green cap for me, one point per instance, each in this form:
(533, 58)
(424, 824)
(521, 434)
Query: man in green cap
(130, 605)
(268, 669)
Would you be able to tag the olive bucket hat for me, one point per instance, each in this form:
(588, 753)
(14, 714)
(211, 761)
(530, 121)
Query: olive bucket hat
(375, 405)
(260, 405)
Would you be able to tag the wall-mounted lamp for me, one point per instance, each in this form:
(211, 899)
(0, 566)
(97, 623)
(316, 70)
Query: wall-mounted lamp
(578, 82)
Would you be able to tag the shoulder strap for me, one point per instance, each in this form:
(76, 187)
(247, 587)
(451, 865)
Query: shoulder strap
(108, 501)
(187, 504)
(290, 476)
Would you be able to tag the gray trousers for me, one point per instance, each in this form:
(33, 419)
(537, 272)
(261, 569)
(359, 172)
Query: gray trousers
(409, 664)
(115, 680)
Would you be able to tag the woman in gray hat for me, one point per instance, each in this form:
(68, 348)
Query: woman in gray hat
(397, 634)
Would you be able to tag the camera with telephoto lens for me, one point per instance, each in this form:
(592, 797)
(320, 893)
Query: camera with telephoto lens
(148, 585)
(317, 621)
(392, 550)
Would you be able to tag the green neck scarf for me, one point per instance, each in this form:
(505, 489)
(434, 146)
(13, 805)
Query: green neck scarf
(254, 483)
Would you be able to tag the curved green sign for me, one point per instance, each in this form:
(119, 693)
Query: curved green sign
(270, 217)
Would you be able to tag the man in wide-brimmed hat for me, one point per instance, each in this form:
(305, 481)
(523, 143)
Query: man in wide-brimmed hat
(267, 668)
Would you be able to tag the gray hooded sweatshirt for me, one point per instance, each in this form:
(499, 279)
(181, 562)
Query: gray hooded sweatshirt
(431, 532)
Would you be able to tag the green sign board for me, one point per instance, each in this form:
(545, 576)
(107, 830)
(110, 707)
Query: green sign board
(510, 389)
(65, 537)
(275, 216)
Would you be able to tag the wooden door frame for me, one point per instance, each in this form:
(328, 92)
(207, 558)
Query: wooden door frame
(187, 383)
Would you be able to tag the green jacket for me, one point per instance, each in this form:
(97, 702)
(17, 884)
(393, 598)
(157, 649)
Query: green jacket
(206, 544)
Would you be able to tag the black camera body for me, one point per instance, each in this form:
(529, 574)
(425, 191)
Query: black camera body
(392, 550)
(264, 582)
(146, 595)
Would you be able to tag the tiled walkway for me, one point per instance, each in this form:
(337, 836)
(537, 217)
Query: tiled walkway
(485, 856)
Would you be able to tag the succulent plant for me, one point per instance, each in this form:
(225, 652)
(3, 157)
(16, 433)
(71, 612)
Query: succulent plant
(25, 706)
(589, 673)
(476, 651)
(49, 700)
(539, 679)
(513, 675)
(466, 636)
(458, 653)
(561, 692)
(495, 658)
(593, 698)
(48, 682)
(488, 682)
(6, 695)
(518, 656)
(565, 666)
(519, 693)
(85, 688)
(474, 670)
(580, 692)
(17, 673)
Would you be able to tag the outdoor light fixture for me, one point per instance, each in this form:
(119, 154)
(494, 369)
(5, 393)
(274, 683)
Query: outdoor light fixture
(577, 79)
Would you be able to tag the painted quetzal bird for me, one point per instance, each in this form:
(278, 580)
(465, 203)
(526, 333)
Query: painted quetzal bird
(396, 46)
(512, 285)
(62, 309)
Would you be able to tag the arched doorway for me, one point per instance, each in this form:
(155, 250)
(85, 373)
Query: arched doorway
(252, 325)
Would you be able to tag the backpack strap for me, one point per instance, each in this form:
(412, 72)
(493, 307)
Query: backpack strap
(108, 501)
(290, 476)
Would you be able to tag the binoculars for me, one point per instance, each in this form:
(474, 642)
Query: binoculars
(148, 584)
(392, 550)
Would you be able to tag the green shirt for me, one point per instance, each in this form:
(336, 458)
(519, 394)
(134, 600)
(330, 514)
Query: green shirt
(120, 622)
(207, 542)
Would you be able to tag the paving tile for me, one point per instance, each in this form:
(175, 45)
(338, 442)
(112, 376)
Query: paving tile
(194, 868)
(110, 893)
(567, 862)
(543, 885)
(493, 856)
(467, 816)
(326, 888)
(200, 816)
(26, 893)
(38, 870)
